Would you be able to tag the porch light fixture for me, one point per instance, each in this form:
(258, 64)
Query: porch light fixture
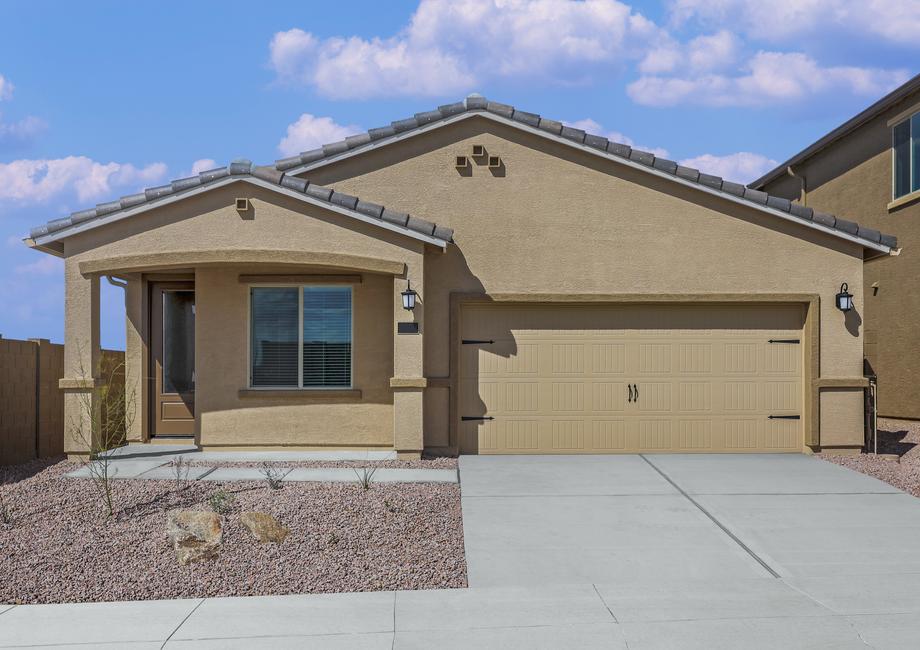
(408, 297)
(844, 299)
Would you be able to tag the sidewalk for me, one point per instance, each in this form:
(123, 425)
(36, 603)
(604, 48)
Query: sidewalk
(841, 613)
(153, 462)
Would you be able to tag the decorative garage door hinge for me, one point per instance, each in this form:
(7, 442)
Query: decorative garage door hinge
(476, 342)
(467, 418)
(784, 341)
(784, 417)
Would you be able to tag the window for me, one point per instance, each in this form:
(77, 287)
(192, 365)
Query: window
(300, 337)
(905, 145)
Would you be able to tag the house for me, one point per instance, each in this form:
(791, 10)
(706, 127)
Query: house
(571, 295)
(870, 166)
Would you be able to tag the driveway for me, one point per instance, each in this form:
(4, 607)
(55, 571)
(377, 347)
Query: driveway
(537, 520)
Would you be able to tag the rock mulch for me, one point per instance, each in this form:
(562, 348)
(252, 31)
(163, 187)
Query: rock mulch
(342, 538)
(898, 459)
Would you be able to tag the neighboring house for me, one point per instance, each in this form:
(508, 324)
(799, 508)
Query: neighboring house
(575, 296)
(870, 166)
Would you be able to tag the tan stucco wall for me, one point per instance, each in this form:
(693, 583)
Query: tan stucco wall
(274, 222)
(852, 178)
(562, 221)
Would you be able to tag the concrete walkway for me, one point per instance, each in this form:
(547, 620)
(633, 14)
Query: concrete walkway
(855, 612)
(153, 462)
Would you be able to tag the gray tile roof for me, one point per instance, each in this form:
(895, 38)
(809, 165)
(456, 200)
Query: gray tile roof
(245, 168)
(478, 103)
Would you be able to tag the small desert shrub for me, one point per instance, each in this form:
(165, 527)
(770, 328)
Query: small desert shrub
(365, 477)
(274, 476)
(221, 502)
(333, 538)
(181, 467)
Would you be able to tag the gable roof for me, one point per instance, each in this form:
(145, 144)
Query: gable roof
(242, 170)
(842, 131)
(476, 104)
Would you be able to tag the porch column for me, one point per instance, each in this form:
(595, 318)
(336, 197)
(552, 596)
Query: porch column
(408, 382)
(82, 356)
(135, 357)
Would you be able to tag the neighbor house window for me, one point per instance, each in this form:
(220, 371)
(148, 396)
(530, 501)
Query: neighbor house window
(905, 143)
(300, 337)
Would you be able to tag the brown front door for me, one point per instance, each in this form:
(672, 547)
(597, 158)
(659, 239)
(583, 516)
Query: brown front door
(172, 349)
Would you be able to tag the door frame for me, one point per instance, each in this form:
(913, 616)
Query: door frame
(810, 337)
(154, 285)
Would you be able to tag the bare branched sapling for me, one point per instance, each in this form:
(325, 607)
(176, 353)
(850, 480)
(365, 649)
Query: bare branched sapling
(106, 410)
(181, 467)
(274, 476)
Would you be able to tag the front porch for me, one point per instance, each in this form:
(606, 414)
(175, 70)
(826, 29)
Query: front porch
(203, 368)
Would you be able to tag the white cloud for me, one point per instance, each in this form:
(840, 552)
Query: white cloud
(786, 21)
(38, 181)
(6, 88)
(310, 132)
(741, 167)
(592, 127)
(21, 131)
(769, 78)
(45, 265)
(202, 165)
(701, 54)
(450, 46)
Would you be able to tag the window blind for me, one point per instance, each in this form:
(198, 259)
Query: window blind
(274, 336)
(301, 337)
(326, 336)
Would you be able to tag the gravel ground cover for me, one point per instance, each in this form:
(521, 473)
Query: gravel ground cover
(59, 547)
(441, 462)
(899, 441)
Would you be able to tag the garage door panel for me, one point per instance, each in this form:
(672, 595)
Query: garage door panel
(608, 358)
(560, 379)
(609, 396)
(608, 435)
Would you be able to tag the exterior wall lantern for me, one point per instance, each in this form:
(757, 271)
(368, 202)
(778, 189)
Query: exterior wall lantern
(408, 297)
(844, 299)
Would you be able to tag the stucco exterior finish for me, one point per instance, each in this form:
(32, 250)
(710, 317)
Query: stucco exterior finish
(551, 225)
(559, 221)
(853, 177)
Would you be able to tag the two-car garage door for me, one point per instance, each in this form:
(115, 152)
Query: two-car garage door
(630, 378)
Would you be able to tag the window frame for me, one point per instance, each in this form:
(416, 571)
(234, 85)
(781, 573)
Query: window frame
(300, 287)
(912, 160)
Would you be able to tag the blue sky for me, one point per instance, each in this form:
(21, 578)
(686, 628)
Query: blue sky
(100, 99)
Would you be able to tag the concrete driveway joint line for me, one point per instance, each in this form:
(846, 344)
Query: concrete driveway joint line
(712, 518)
(612, 615)
(182, 622)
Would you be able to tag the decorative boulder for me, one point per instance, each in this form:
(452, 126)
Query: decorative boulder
(195, 535)
(264, 527)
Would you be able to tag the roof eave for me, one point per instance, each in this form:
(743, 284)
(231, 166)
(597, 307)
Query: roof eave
(44, 242)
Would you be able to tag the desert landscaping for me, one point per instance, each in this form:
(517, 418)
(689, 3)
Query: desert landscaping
(898, 459)
(60, 546)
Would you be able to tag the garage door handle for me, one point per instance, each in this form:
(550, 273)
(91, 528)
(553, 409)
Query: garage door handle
(476, 342)
(629, 388)
(636, 391)
(784, 417)
(468, 418)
